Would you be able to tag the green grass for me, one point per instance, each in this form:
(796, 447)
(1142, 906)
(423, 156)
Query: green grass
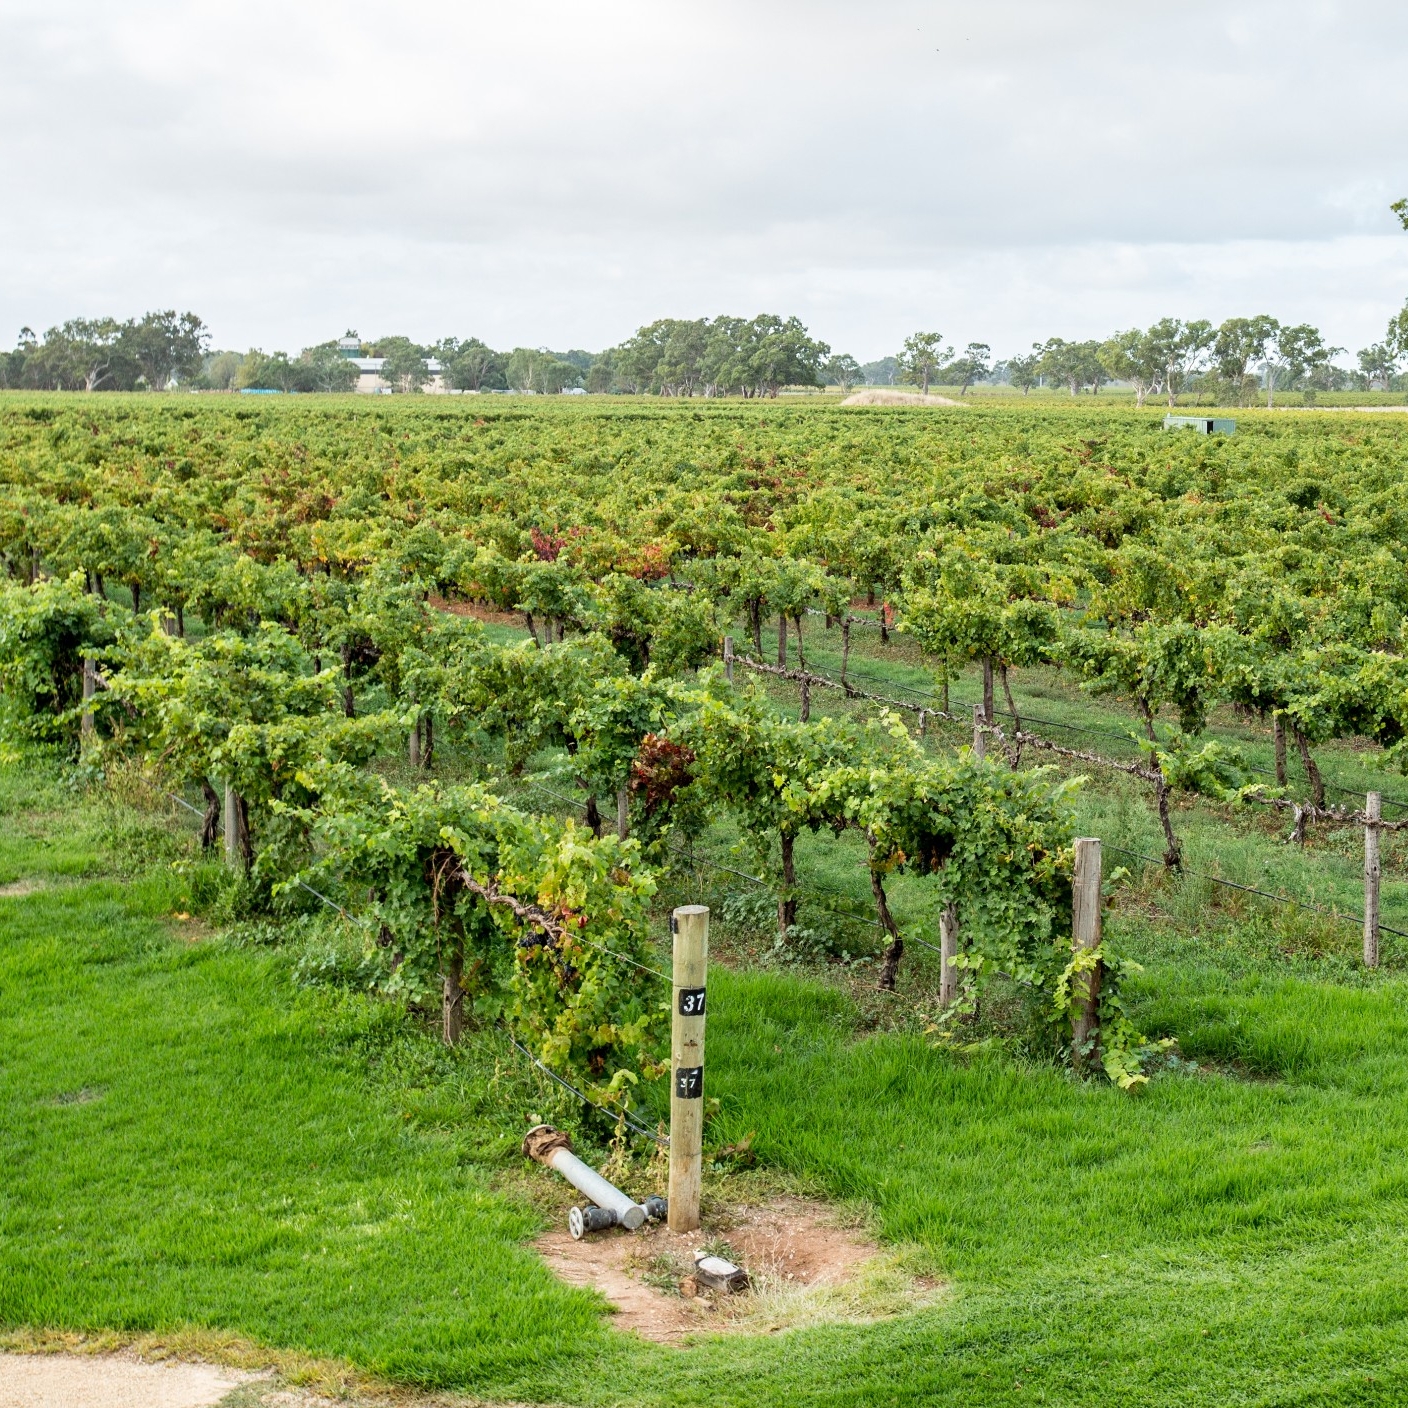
(193, 1138)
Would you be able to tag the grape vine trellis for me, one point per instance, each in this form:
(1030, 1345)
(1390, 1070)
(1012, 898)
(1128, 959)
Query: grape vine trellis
(260, 588)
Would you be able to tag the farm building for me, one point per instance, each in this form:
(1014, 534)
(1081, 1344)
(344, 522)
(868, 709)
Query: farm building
(369, 379)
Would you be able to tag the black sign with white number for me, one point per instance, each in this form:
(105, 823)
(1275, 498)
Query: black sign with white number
(689, 1082)
(691, 1002)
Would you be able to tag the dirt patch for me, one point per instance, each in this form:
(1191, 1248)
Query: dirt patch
(111, 1381)
(18, 889)
(805, 1267)
(115, 1369)
(479, 612)
(898, 398)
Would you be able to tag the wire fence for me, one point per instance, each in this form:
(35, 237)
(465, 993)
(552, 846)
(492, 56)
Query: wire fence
(1125, 738)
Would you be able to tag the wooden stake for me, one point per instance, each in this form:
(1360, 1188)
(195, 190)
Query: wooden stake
(980, 739)
(1372, 872)
(728, 658)
(90, 688)
(623, 813)
(690, 926)
(232, 827)
(948, 947)
(1085, 1015)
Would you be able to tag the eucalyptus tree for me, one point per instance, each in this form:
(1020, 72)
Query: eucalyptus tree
(1135, 357)
(922, 355)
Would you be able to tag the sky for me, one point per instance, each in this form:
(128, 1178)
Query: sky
(560, 174)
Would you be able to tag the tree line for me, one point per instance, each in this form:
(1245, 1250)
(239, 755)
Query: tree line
(1234, 361)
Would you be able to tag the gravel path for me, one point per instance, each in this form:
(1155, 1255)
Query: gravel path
(106, 1381)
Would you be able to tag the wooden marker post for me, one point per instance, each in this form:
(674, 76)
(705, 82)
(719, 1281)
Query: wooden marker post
(1085, 1014)
(690, 926)
(948, 951)
(90, 688)
(980, 738)
(232, 827)
(1373, 804)
(728, 658)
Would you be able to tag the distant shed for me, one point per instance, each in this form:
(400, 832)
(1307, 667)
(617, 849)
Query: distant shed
(1204, 425)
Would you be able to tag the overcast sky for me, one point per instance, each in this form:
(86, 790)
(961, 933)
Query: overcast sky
(557, 174)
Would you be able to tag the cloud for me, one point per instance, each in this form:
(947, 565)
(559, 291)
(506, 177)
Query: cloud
(559, 173)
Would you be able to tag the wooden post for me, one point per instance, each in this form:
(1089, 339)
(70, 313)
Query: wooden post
(690, 926)
(90, 688)
(1085, 1013)
(414, 749)
(623, 813)
(989, 711)
(948, 948)
(923, 720)
(782, 639)
(1372, 872)
(728, 658)
(232, 828)
(980, 739)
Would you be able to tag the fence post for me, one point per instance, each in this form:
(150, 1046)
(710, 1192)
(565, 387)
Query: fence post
(980, 738)
(728, 658)
(1085, 1014)
(90, 688)
(689, 925)
(948, 949)
(1372, 872)
(232, 828)
(623, 813)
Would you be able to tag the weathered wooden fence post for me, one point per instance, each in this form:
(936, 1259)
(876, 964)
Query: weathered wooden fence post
(90, 688)
(728, 658)
(948, 950)
(980, 737)
(689, 925)
(232, 827)
(1373, 805)
(1085, 1012)
(623, 813)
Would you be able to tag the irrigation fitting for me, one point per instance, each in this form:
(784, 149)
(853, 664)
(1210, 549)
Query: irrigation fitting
(552, 1148)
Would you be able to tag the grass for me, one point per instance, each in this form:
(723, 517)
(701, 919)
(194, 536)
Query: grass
(199, 1137)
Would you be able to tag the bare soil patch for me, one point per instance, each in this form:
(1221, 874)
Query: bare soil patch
(111, 1381)
(188, 1369)
(897, 398)
(479, 612)
(805, 1268)
(18, 889)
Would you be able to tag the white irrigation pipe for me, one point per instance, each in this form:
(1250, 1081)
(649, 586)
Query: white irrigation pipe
(552, 1148)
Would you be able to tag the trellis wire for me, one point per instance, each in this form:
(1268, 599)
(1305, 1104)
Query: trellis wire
(640, 1129)
(1347, 915)
(1047, 723)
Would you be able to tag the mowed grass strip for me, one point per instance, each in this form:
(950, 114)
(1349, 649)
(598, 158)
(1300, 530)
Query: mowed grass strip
(184, 1143)
(190, 1139)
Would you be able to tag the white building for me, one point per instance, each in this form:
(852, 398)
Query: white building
(369, 378)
